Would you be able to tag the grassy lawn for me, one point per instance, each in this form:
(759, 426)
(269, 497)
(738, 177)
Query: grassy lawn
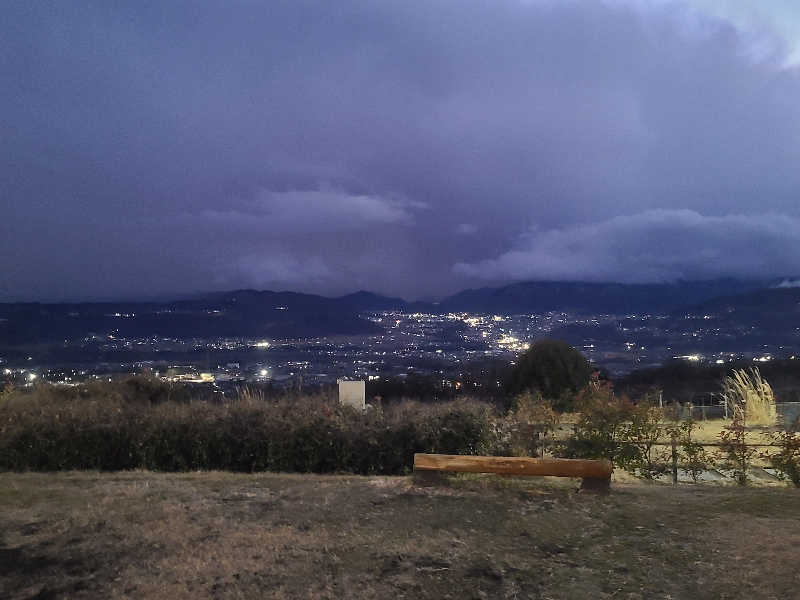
(218, 535)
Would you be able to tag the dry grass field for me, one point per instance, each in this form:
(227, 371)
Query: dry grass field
(218, 535)
(708, 432)
(705, 431)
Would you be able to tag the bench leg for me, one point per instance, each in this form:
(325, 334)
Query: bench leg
(596, 485)
(425, 478)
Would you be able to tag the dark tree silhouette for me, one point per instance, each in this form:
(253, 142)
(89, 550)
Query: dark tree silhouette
(554, 369)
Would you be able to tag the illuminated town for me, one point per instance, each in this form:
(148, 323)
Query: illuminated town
(446, 345)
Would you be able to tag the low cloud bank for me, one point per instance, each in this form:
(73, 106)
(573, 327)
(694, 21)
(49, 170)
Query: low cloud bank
(652, 246)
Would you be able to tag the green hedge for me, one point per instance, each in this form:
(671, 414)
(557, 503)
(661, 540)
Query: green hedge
(109, 428)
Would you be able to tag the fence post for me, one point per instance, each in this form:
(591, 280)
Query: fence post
(674, 445)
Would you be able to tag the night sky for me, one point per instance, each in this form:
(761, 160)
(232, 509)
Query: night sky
(411, 148)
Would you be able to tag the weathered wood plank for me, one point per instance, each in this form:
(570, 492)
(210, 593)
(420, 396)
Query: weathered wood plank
(512, 465)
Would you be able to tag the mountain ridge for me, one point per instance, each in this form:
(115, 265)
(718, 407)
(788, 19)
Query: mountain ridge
(284, 314)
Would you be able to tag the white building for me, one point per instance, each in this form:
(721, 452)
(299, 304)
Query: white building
(352, 393)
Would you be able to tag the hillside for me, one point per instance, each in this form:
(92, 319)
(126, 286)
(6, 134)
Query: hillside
(593, 298)
(244, 313)
(251, 313)
(774, 311)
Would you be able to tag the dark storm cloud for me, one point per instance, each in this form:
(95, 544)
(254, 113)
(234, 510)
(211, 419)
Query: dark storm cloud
(410, 148)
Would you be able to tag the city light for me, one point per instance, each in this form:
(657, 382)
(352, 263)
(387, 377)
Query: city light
(425, 341)
(690, 357)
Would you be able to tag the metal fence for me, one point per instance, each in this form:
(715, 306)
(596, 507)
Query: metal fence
(788, 412)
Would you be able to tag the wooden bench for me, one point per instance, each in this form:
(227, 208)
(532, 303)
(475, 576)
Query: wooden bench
(596, 474)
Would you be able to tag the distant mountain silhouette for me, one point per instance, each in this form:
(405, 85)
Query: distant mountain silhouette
(773, 309)
(593, 298)
(365, 301)
(255, 314)
(242, 313)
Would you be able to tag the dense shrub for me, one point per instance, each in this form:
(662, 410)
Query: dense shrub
(787, 458)
(642, 434)
(695, 458)
(142, 424)
(601, 429)
(736, 451)
(614, 428)
(528, 429)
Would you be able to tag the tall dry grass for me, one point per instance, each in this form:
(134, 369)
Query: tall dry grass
(749, 397)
